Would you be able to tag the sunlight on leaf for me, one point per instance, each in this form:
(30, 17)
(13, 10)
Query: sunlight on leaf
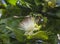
(0, 13)
(13, 2)
(39, 35)
(4, 3)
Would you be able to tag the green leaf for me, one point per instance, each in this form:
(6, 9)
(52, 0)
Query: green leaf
(18, 33)
(12, 2)
(39, 35)
(37, 2)
(4, 3)
(45, 19)
(24, 3)
(3, 21)
(1, 12)
(5, 38)
(58, 14)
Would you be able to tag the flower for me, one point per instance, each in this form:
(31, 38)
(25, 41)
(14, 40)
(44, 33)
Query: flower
(29, 25)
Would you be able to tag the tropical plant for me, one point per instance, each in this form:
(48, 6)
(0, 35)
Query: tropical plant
(29, 21)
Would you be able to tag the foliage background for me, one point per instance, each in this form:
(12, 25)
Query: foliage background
(48, 10)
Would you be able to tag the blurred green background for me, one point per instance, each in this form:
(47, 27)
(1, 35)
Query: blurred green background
(45, 12)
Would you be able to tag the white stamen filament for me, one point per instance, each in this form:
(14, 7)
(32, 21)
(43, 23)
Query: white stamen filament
(28, 25)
